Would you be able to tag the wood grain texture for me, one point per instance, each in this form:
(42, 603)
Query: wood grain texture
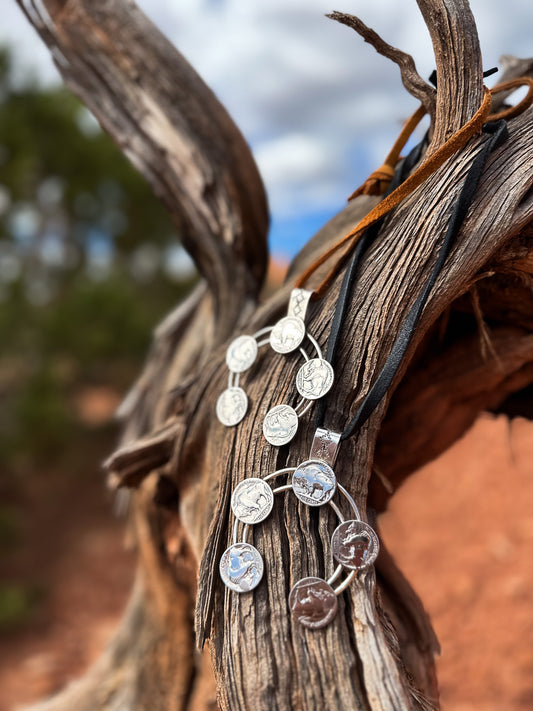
(378, 652)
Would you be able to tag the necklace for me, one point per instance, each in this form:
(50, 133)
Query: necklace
(354, 544)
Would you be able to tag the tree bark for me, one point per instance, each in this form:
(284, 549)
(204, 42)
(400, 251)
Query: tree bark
(183, 465)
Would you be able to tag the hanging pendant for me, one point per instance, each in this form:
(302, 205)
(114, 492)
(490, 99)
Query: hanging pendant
(313, 380)
(354, 544)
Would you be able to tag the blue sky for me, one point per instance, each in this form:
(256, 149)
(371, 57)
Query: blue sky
(318, 106)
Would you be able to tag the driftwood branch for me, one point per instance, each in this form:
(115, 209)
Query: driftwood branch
(378, 653)
(168, 123)
(455, 40)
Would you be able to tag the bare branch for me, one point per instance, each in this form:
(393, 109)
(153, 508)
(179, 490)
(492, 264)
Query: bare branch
(412, 81)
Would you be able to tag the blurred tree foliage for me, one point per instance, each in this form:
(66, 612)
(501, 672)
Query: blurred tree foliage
(89, 262)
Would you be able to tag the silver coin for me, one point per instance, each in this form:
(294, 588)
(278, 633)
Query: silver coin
(287, 334)
(315, 378)
(241, 567)
(231, 406)
(241, 354)
(313, 602)
(252, 500)
(280, 425)
(314, 482)
(355, 544)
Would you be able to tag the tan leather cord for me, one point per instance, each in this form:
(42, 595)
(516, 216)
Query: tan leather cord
(513, 111)
(452, 145)
(378, 181)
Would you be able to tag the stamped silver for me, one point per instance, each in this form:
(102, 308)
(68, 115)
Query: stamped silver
(231, 406)
(241, 567)
(314, 482)
(325, 445)
(355, 545)
(241, 354)
(298, 303)
(280, 425)
(252, 500)
(313, 602)
(315, 378)
(287, 334)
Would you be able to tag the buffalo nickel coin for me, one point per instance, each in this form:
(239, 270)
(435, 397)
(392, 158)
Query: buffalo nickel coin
(231, 406)
(287, 334)
(314, 379)
(252, 500)
(314, 482)
(241, 354)
(313, 602)
(280, 425)
(241, 567)
(355, 544)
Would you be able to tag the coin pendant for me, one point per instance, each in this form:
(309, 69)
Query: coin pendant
(252, 500)
(241, 354)
(231, 406)
(241, 567)
(314, 379)
(313, 602)
(287, 334)
(280, 425)
(314, 482)
(355, 544)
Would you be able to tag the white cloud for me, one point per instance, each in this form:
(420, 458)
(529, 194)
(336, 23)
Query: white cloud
(317, 104)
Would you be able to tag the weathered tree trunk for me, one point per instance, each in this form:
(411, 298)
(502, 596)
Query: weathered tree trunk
(183, 465)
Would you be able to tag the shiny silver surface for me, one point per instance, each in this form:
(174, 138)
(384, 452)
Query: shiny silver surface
(231, 406)
(252, 500)
(314, 482)
(280, 425)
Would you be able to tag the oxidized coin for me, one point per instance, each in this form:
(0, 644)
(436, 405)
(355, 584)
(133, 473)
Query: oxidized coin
(252, 500)
(241, 567)
(287, 334)
(355, 544)
(313, 602)
(314, 379)
(241, 354)
(314, 482)
(280, 425)
(231, 406)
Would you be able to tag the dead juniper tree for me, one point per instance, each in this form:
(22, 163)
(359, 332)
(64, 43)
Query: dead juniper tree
(181, 464)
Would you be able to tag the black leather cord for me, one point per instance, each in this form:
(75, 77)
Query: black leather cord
(498, 134)
(364, 242)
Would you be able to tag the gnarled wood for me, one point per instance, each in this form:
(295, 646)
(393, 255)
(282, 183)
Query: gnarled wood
(176, 133)
(378, 652)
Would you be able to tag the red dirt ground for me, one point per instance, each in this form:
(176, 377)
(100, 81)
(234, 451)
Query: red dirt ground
(461, 529)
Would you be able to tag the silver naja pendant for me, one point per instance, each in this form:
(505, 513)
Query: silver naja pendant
(312, 601)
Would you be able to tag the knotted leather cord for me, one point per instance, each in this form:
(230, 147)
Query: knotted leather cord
(378, 181)
(402, 171)
(455, 143)
(498, 134)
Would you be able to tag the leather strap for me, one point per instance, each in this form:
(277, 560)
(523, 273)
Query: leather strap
(402, 171)
(379, 178)
(498, 134)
